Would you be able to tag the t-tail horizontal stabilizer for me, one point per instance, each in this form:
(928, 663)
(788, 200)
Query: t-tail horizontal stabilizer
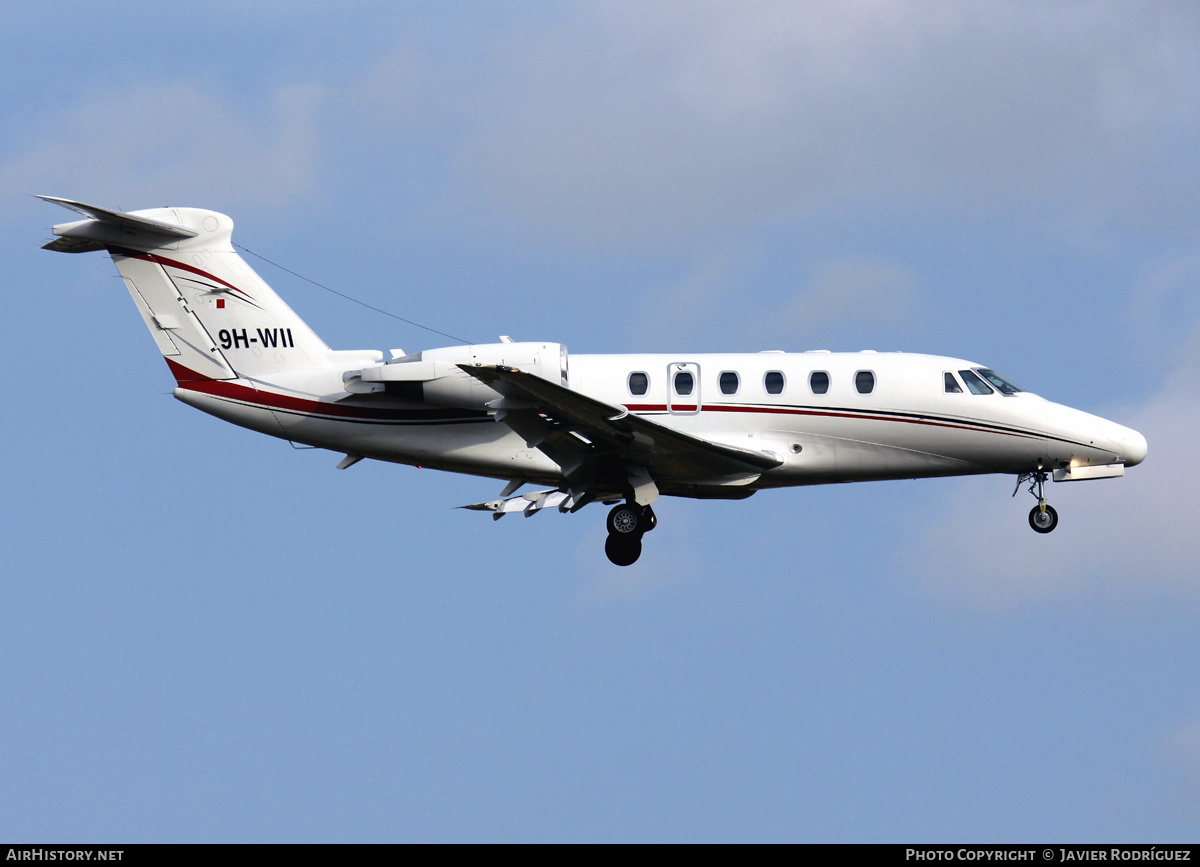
(210, 314)
(103, 226)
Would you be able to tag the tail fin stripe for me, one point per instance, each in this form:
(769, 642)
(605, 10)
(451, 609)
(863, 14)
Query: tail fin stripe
(181, 263)
(163, 260)
(173, 263)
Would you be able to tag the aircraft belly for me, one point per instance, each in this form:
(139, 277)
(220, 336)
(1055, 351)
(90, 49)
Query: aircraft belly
(827, 459)
(974, 446)
(819, 450)
(244, 415)
(477, 447)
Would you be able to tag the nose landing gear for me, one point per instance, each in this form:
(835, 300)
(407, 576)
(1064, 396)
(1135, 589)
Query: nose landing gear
(1042, 518)
(626, 525)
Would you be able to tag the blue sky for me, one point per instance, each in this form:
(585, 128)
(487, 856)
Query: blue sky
(205, 635)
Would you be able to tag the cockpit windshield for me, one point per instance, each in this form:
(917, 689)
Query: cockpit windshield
(1003, 385)
(974, 383)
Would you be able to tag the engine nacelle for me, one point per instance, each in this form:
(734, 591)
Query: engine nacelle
(434, 376)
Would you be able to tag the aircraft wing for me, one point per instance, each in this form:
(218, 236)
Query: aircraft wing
(574, 429)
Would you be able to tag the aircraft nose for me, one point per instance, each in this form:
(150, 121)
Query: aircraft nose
(1132, 447)
(1093, 439)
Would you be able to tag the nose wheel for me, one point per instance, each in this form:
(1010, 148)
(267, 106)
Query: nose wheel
(627, 524)
(1042, 518)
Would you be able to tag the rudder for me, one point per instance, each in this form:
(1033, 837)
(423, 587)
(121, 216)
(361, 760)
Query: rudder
(210, 314)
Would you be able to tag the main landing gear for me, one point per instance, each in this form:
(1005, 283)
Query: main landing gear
(627, 524)
(1042, 517)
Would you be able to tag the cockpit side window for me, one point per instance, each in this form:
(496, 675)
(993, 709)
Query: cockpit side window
(977, 385)
(952, 386)
(1003, 385)
(638, 383)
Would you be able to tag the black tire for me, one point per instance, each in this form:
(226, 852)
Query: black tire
(625, 521)
(623, 550)
(649, 520)
(1043, 522)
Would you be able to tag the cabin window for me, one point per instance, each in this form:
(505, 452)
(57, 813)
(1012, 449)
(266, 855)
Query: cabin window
(729, 382)
(1003, 385)
(974, 383)
(638, 383)
(818, 381)
(684, 383)
(952, 386)
(864, 381)
(773, 382)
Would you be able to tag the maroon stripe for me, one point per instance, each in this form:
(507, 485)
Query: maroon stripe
(182, 266)
(185, 374)
(192, 381)
(777, 410)
(163, 260)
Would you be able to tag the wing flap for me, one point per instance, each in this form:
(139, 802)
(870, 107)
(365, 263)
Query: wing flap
(529, 504)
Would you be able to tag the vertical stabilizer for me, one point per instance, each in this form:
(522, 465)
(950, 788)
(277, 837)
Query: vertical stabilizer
(211, 315)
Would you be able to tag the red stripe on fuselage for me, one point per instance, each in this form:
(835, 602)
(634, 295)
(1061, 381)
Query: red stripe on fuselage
(193, 381)
(185, 376)
(779, 410)
(223, 388)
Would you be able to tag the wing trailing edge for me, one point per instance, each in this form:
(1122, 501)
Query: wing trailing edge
(613, 430)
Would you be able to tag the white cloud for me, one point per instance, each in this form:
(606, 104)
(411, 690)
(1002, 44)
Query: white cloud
(717, 301)
(639, 121)
(683, 311)
(172, 143)
(1164, 310)
(1184, 745)
(635, 123)
(1179, 754)
(865, 290)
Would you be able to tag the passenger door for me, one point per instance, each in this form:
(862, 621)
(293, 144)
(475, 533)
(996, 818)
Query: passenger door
(683, 388)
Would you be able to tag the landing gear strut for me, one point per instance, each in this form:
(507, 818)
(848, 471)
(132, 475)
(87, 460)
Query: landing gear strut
(627, 524)
(1042, 517)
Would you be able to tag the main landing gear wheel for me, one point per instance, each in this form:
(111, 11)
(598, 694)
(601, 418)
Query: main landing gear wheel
(623, 550)
(624, 521)
(626, 526)
(1043, 520)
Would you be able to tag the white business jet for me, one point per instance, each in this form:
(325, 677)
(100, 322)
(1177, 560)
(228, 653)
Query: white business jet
(619, 429)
